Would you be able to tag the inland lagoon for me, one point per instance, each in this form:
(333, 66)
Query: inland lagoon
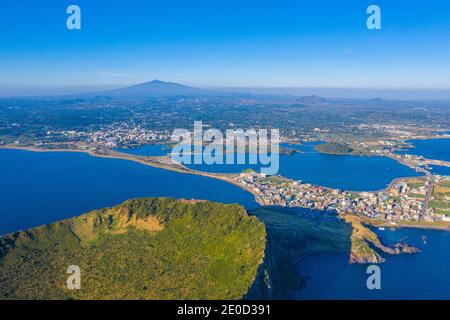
(346, 172)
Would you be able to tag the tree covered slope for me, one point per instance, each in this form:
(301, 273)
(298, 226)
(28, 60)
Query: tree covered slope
(155, 248)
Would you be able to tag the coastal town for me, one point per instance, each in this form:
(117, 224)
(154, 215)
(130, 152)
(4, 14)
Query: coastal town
(405, 199)
(414, 199)
(112, 136)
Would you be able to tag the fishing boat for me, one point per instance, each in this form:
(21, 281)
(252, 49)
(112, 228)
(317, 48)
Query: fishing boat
(424, 239)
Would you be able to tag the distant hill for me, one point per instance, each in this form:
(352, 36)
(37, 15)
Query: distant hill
(334, 148)
(154, 248)
(313, 100)
(376, 101)
(155, 88)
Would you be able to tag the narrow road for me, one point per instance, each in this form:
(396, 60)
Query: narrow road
(428, 195)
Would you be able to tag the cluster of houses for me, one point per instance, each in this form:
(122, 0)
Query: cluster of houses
(402, 201)
(115, 135)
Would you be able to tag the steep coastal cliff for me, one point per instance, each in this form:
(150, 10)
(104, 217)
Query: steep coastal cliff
(155, 248)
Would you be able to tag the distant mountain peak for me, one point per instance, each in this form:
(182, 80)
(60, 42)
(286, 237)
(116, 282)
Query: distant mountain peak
(156, 81)
(313, 99)
(155, 88)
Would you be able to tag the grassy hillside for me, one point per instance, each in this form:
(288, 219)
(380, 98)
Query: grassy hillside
(156, 248)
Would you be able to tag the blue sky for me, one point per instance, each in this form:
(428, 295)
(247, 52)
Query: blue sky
(226, 43)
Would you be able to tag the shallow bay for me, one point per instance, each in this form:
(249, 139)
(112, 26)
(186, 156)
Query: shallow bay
(438, 149)
(354, 173)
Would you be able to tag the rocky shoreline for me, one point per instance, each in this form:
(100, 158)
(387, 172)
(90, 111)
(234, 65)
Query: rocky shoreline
(364, 242)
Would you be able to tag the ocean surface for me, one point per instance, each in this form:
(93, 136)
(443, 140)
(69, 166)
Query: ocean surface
(417, 276)
(156, 150)
(440, 170)
(438, 149)
(354, 173)
(310, 248)
(322, 269)
(39, 188)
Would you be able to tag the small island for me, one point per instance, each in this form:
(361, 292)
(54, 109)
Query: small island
(334, 148)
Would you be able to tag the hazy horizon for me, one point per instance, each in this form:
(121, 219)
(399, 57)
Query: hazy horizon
(326, 92)
(321, 44)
